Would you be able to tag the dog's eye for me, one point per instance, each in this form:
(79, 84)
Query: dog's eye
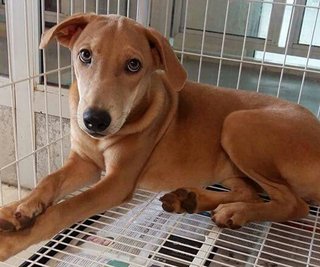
(133, 65)
(85, 56)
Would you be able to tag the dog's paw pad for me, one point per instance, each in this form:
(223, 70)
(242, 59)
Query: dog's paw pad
(168, 202)
(18, 216)
(190, 203)
(15, 223)
(179, 201)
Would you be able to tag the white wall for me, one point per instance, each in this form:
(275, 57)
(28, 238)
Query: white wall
(9, 175)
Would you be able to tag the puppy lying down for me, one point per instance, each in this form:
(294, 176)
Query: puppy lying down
(135, 115)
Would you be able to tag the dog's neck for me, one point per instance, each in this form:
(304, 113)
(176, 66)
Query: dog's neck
(147, 112)
(140, 109)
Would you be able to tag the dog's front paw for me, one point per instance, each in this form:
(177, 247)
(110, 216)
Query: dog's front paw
(231, 215)
(8, 221)
(19, 215)
(179, 201)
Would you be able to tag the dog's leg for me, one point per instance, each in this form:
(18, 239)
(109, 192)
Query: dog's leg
(284, 205)
(107, 193)
(257, 143)
(194, 200)
(73, 175)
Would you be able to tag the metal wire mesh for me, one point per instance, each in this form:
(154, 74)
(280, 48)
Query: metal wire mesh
(140, 233)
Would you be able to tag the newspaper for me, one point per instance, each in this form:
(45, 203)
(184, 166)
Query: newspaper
(150, 237)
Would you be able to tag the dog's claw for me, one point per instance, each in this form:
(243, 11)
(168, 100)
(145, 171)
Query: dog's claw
(228, 224)
(228, 216)
(180, 200)
(167, 207)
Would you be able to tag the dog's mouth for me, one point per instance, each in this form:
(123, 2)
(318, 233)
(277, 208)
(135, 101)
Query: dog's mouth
(97, 135)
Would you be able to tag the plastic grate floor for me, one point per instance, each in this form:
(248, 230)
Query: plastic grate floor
(140, 233)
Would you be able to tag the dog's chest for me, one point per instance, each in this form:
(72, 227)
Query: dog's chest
(198, 171)
(181, 164)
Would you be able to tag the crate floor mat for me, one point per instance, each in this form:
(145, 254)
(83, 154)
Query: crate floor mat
(140, 233)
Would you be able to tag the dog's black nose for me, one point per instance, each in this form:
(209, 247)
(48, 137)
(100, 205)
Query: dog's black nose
(96, 120)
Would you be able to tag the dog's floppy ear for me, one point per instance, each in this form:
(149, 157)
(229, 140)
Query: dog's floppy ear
(67, 31)
(166, 59)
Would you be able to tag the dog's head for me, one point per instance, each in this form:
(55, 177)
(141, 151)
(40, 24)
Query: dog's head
(114, 58)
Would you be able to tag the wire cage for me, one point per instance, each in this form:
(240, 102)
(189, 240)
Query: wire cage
(268, 46)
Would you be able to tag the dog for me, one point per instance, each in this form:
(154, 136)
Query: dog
(135, 115)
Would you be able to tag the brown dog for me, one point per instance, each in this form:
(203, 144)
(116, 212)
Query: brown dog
(134, 114)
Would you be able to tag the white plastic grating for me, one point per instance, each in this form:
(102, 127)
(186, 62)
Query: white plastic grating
(140, 233)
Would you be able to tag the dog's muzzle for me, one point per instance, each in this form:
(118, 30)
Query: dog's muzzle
(96, 121)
